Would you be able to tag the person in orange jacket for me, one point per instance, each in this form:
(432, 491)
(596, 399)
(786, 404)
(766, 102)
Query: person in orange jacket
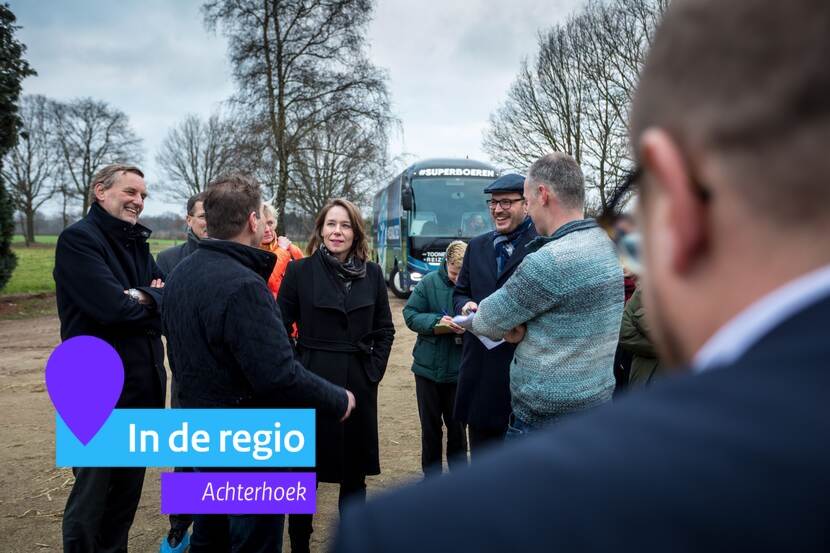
(280, 246)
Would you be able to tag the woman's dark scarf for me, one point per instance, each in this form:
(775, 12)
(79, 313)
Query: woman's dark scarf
(352, 269)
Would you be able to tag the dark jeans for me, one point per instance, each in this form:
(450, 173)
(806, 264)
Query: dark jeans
(100, 509)
(435, 402)
(482, 438)
(517, 428)
(237, 534)
(181, 523)
(300, 527)
(178, 522)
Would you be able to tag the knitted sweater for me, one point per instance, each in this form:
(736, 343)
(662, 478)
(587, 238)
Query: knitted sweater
(569, 293)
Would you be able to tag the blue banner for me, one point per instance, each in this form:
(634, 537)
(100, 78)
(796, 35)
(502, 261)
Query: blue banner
(193, 438)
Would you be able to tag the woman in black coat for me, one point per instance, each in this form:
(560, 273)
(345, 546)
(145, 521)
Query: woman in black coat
(338, 300)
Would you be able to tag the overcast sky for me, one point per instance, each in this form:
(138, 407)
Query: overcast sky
(450, 63)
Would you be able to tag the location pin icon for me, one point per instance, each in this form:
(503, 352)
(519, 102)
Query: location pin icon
(84, 378)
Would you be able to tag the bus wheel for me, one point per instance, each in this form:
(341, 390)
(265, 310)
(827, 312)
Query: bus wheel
(396, 284)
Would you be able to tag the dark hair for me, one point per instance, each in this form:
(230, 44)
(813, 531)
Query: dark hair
(191, 202)
(360, 246)
(746, 85)
(106, 176)
(228, 202)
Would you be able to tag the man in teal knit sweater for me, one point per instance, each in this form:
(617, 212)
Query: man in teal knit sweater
(563, 304)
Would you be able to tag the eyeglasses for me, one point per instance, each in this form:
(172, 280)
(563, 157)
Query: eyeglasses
(630, 185)
(628, 244)
(506, 203)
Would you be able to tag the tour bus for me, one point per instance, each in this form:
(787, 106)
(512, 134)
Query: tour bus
(422, 210)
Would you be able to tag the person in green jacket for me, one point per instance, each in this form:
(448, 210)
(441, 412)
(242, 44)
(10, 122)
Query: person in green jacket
(634, 338)
(436, 357)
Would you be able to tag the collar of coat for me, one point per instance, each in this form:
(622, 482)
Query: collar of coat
(564, 230)
(259, 261)
(115, 227)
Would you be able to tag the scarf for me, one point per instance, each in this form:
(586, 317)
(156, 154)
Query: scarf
(352, 269)
(504, 244)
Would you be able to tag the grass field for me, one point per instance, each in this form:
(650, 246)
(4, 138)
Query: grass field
(33, 273)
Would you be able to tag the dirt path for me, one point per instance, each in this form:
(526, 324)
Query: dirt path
(34, 492)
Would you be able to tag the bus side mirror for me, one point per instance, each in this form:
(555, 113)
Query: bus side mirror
(406, 198)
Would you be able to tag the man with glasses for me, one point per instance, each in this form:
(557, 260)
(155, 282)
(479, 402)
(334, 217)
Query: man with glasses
(730, 124)
(196, 231)
(482, 399)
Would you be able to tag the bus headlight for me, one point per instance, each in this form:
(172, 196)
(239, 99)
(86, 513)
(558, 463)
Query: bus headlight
(415, 276)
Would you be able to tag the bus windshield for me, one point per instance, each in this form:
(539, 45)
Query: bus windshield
(449, 207)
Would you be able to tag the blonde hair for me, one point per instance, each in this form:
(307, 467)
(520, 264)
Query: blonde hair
(455, 252)
(269, 211)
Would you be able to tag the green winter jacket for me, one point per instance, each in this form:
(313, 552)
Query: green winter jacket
(645, 366)
(434, 357)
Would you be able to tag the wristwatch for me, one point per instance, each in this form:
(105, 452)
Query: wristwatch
(134, 294)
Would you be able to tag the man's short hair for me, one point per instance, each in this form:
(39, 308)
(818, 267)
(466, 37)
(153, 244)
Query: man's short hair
(193, 200)
(106, 176)
(561, 174)
(228, 202)
(747, 85)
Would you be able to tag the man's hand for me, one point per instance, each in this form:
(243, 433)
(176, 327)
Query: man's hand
(469, 307)
(350, 407)
(447, 320)
(157, 283)
(516, 335)
(283, 242)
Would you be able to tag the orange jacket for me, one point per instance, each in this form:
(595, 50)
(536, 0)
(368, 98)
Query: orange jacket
(283, 259)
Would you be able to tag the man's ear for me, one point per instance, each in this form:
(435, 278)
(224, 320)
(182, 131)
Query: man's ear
(543, 194)
(99, 191)
(253, 221)
(679, 207)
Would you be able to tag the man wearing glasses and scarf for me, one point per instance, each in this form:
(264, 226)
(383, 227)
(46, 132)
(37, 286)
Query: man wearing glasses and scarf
(482, 399)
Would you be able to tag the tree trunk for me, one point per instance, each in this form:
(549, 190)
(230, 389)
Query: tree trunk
(30, 227)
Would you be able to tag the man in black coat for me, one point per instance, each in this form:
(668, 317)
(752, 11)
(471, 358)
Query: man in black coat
(482, 400)
(177, 539)
(730, 124)
(227, 345)
(196, 231)
(108, 286)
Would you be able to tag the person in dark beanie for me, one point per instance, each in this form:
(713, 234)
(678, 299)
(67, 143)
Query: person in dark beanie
(228, 347)
(436, 357)
(108, 286)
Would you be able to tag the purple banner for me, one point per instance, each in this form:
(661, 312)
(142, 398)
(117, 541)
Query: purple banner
(238, 493)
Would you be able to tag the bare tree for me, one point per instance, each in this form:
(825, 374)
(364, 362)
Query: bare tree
(92, 134)
(297, 64)
(339, 159)
(195, 152)
(575, 97)
(30, 167)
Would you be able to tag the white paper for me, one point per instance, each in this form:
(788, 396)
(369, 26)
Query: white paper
(466, 322)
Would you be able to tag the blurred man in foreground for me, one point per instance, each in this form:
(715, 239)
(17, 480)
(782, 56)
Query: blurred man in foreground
(730, 125)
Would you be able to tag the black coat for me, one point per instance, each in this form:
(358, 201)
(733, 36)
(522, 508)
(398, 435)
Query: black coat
(169, 258)
(483, 396)
(345, 337)
(225, 339)
(733, 459)
(96, 259)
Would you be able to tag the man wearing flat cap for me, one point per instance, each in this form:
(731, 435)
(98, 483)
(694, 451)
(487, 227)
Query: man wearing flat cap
(483, 396)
